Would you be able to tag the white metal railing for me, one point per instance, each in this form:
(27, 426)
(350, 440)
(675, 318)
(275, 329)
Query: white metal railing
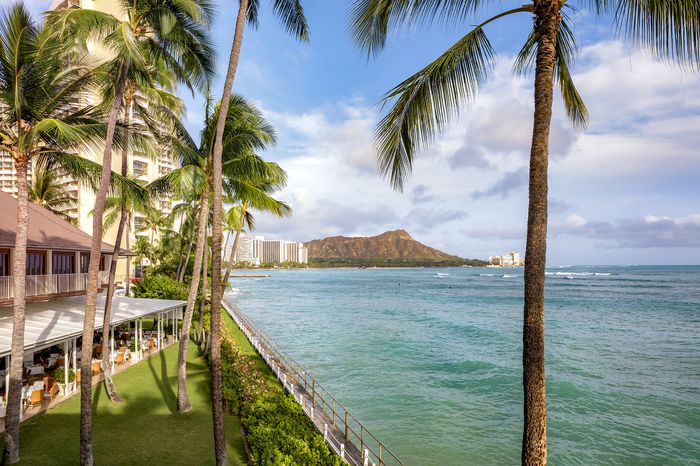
(346, 435)
(40, 285)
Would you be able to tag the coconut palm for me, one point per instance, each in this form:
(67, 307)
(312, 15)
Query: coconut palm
(121, 206)
(245, 130)
(275, 179)
(425, 103)
(47, 190)
(291, 14)
(155, 108)
(43, 86)
(153, 221)
(128, 203)
(175, 32)
(142, 248)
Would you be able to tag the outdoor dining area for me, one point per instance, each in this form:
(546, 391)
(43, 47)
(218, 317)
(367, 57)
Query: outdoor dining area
(53, 342)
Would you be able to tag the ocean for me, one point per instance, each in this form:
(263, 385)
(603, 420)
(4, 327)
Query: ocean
(430, 359)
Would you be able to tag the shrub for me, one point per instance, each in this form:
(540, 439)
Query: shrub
(242, 382)
(280, 433)
(160, 287)
(60, 375)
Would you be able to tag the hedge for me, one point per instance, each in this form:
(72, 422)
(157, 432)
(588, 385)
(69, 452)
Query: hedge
(280, 434)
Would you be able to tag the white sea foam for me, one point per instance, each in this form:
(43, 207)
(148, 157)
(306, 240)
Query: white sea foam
(508, 276)
(487, 274)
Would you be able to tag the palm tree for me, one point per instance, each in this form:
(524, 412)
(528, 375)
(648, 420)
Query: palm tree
(291, 13)
(156, 108)
(245, 129)
(259, 199)
(427, 101)
(142, 248)
(42, 86)
(153, 220)
(122, 206)
(48, 191)
(175, 32)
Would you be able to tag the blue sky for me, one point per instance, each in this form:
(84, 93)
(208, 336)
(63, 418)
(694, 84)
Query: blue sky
(625, 191)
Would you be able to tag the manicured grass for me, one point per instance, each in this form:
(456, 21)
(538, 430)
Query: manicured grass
(249, 350)
(143, 430)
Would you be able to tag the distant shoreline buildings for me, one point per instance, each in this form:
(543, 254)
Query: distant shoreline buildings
(511, 259)
(258, 250)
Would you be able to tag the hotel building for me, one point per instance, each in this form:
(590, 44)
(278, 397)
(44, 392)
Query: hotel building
(258, 251)
(142, 168)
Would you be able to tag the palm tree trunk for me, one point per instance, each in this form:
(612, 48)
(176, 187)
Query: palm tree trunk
(14, 396)
(181, 277)
(228, 237)
(217, 286)
(534, 446)
(229, 266)
(86, 457)
(183, 401)
(128, 258)
(182, 249)
(107, 318)
(152, 248)
(203, 299)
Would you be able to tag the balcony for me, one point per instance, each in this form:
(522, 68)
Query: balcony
(44, 286)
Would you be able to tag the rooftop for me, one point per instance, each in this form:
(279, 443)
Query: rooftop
(46, 230)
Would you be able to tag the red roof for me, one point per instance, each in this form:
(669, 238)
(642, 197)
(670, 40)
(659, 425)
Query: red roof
(46, 230)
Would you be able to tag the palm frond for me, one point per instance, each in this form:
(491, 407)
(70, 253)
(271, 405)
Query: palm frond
(291, 14)
(427, 101)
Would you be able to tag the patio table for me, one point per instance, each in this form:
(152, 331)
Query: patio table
(36, 370)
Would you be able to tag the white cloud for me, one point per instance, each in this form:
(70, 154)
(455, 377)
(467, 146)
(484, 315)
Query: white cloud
(468, 190)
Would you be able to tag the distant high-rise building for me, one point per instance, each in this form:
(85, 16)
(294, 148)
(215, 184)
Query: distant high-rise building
(258, 250)
(511, 259)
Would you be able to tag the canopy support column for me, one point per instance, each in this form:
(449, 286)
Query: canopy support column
(7, 377)
(75, 356)
(66, 353)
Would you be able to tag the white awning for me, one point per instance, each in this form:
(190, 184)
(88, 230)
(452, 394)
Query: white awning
(51, 322)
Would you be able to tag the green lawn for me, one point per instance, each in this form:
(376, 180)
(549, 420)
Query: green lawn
(143, 430)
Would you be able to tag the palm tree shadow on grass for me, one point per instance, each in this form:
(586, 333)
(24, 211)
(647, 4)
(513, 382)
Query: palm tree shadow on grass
(163, 382)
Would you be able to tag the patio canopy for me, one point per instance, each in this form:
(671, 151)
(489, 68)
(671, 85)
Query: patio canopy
(51, 322)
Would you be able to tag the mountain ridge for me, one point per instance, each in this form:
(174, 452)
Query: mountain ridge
(394, 244)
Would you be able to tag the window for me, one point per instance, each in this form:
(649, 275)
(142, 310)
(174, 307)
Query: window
(36, 263)
(84, 262)
(5, 263)
(62, 262)
(140, 168)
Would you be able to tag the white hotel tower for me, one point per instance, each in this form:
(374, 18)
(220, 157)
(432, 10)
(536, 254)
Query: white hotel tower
(258, 251)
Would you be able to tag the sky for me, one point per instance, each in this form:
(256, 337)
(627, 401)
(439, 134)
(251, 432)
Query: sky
(624, 191)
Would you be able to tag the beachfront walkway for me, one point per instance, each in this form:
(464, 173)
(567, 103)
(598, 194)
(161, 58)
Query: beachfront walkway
(145, 428)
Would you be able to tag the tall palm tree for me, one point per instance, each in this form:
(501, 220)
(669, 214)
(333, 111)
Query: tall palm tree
(155, 109)
(42, 86)
(175, 32)
(427, 101)
(245, 130)
(291, 14)
(47, 190)
(121, 206)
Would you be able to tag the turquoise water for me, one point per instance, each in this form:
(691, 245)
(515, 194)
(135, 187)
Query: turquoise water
(432, 365)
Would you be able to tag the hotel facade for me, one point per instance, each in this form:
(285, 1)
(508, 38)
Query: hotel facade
(82, 197)
(258, 250)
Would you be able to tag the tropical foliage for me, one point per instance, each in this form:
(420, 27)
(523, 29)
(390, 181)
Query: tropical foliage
(158, 286)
